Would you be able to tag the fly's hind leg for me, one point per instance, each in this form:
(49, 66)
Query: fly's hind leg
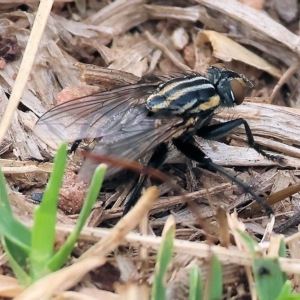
(216, 131)
(185, 144)
(156, 160)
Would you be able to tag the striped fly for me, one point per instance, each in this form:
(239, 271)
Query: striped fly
(132, 120)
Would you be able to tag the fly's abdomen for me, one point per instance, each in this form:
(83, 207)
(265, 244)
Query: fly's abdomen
(187, 95)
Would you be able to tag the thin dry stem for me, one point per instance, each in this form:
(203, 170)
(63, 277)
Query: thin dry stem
(26, 64)
(166, 51)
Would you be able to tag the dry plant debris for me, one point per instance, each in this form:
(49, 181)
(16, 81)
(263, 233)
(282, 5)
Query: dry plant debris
(89, 46)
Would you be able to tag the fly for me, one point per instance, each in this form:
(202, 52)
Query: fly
(132, 120)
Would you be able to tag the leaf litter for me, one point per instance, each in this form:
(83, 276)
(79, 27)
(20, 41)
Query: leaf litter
(90, 46)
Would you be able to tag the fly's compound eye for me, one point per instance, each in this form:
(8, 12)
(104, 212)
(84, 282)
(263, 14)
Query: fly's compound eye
(238, 91)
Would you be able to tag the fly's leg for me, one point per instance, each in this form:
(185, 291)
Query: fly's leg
(216, 131)
(74, 146)
(186, 145)
(83, 129)
(156, 160)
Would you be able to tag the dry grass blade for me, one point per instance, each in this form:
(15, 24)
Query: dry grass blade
(92, 74)
(17, 167)
(200, 250)
(9, 287)
(62, 280)
(271, 200)
(95, 295)
(133, 291)
(224, 235)
(284, 79)
(191, 14)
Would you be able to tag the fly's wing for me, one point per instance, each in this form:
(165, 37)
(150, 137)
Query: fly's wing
(133, 140)
(91, 116)
(175, 74)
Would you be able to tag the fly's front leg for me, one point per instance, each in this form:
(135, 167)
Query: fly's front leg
(216, 131)
(187, 147)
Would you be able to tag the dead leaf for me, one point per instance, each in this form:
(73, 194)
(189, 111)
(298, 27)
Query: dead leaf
(226, 49)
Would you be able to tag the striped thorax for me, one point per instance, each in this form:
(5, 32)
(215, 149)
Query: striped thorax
(185, 95)
(194, 93)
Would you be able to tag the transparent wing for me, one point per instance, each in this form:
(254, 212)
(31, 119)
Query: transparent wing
(175, 74)
(133, 141)
(92, 116)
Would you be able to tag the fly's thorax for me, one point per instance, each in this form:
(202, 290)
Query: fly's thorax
(183, 96)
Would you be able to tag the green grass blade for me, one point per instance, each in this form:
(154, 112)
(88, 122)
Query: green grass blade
(17, 260)
(91, 197)
(250, 243)
(269, 279)
(286, 292)
(18, 253)
(63, 253)
(282, 249)
(43, 232)
(10, 227)
(196, 288)
(164, 257)
(5, 205)
(214, 285)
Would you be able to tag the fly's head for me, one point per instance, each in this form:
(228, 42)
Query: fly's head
(229, 84)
